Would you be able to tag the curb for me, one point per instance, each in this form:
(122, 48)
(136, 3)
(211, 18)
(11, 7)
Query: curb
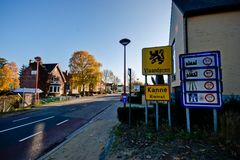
(107, 147)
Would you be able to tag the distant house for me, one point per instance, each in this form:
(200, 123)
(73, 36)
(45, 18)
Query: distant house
(109, 87)
(51, 80)
(120, 88)
(204, 25)
(76, 90)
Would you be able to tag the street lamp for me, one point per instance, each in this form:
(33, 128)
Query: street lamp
(37, 60)
(124, 42)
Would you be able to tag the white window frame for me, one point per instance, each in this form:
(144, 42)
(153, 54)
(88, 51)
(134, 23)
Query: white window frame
(54, 89)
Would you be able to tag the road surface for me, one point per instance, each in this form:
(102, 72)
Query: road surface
(29, 135)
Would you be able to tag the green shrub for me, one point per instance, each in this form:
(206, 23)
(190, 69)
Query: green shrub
(229, 125)
(137, 114)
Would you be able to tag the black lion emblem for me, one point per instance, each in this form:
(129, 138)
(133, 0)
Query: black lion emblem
(157, 56)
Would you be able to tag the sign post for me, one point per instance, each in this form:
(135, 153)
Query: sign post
(201, 82)
(215, 120)
(130, 96)
(157, 61)
(146, 105)
(169, 105)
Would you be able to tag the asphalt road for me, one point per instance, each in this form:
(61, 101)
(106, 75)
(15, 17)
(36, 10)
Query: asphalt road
(29, 135)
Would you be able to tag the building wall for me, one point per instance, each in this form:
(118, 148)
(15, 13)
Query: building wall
(177, 37)
(56, 73)
(219, 32)
(28, 79)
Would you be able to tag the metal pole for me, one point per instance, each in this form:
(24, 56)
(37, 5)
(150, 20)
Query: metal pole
(124, 86)
(130, 74)
(169, 104)
(146, 105)
(215, 120)
(157, 117)
(188, 120)
(36, 83)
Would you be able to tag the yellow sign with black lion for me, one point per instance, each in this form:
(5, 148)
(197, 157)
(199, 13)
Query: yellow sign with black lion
(157, 61)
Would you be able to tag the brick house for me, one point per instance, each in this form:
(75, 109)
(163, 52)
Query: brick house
(51, 80)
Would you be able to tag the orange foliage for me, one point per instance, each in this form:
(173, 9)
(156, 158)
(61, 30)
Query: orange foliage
(85, 69)
(9, 76)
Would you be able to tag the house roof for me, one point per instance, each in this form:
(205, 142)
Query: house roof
(50, 66)
(199, 7)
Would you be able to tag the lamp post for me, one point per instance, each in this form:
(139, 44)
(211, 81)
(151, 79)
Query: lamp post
(124, 42)
(37, 60)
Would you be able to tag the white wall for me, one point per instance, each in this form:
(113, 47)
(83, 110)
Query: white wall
(177, 35)
(219, 32)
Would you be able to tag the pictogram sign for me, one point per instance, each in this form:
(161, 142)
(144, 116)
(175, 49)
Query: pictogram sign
(201, 79)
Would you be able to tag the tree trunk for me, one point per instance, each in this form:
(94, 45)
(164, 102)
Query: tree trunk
(83, 90)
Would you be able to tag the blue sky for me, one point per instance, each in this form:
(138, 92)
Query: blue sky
(54, 29)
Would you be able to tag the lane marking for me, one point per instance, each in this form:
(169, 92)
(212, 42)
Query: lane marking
(5, 130)
(62, 122)
(20, 119)
(29, 136)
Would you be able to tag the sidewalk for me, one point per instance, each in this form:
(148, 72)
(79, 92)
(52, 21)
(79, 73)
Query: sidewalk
(88, 142)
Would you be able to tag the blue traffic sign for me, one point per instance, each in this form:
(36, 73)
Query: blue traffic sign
(201, 80)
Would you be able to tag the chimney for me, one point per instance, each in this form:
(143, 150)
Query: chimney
(39, 59)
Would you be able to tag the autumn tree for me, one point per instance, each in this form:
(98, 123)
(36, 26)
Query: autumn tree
(8, 75)
(85, 70)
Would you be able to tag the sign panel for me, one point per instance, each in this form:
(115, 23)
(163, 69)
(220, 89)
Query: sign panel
(201, 79)
(157, 61)
(203, 86)
(193, 99)
(157, 93)
(136, 88)
(203, 73)
(124, 99)
(200, 60)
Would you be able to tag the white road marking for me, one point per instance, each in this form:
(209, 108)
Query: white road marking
(20, 119)
(29, 136)
(5, 130)
(73, 109)
(62, 122)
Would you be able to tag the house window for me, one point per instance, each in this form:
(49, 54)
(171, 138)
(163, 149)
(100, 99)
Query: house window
(51, 89)
(54, 89)
(54, 80)
(174, 60)
(33, 72)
